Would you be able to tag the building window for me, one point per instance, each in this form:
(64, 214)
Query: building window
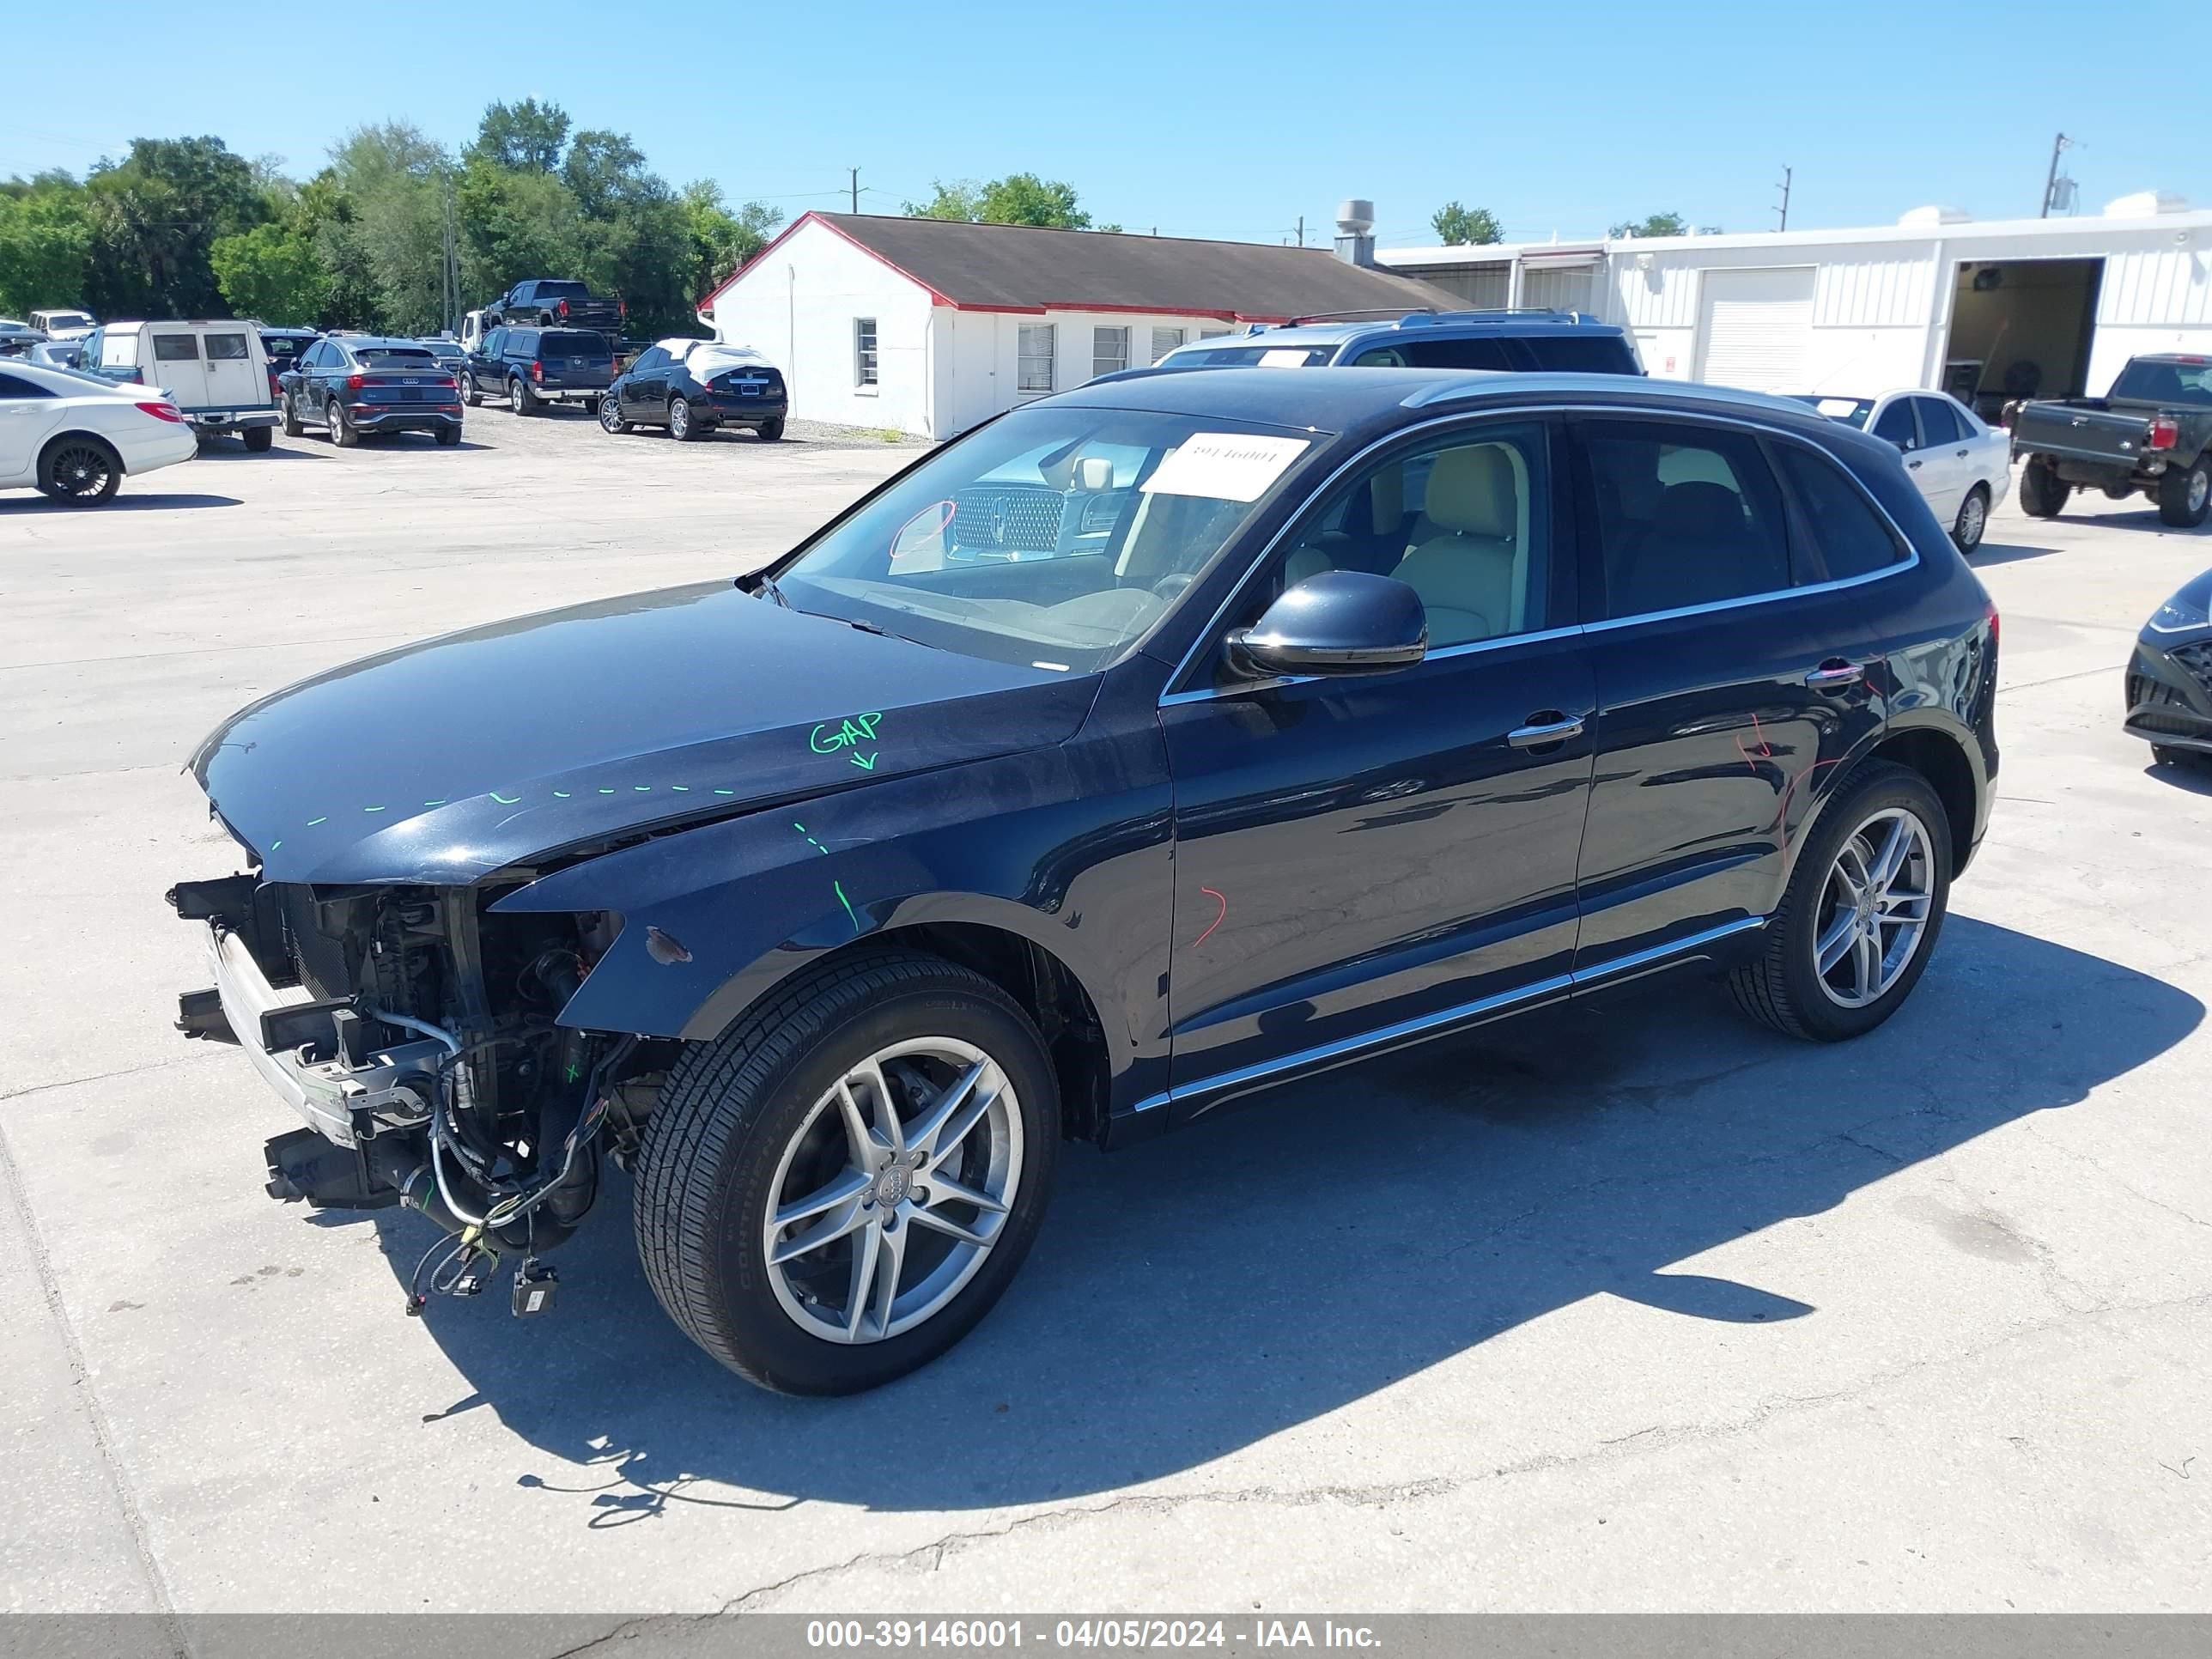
(1212, 333)
(1165, 340)
(1109, 350)
(864, 351)
(1035, 352)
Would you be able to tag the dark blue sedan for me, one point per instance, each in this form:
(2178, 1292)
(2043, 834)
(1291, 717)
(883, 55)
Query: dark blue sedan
(1352, 708)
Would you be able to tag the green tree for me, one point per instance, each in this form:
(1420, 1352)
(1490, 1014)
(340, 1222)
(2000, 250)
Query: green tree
(605, 172)
(394, 179)
(153, 218)
(274, 273)
(527, 137)
(720, 240)
(45, 239)
(1462, 227)
(1019, 199)
(516, 224)
(1656, 224)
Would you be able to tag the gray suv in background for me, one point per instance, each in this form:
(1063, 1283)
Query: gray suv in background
(1523, 341)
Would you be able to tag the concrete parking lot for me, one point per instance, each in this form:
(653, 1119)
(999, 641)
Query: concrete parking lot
(1634, 1308)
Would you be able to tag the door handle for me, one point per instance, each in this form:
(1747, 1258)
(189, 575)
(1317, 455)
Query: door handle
(1961, 455)
(1541, 731)
(1915, 465)
(1829, 675)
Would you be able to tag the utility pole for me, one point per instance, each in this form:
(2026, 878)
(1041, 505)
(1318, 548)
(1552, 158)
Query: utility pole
(1302, 230)
(1783, 208)
(2050, 179)
(855, 172)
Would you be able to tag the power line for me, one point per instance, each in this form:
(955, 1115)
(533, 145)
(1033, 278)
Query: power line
(1783, 207)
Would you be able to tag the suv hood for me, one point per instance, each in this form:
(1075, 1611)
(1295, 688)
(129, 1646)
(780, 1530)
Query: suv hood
(443, 762)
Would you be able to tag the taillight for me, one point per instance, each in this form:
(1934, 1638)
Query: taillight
(1995, 622)
(355, 382)
(537, 371)
(562, 309)
(450, 384)
(2165, 433)
(622, 308)
(163, 412)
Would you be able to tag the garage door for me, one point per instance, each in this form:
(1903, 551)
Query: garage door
(1753, 327)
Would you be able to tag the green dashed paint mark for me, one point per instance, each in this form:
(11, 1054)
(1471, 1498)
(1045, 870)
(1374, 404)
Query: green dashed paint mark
(726, 791)
(681, 788)
(606, 792)
(311, 823)
(433, 803)
(274, 845)
(560, 794)
(372, 808)
(505, 801)
(642, 788)
(838, 887)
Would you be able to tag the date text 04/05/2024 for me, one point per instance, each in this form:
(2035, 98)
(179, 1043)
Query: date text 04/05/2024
(993, 1635)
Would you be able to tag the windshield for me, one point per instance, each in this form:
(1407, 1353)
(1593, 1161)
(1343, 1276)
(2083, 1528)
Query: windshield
(442, 349)
(1250, 357)
(68, 320)
(2147, 381)
(1052, 537)
(282, 345)
(1851, 411)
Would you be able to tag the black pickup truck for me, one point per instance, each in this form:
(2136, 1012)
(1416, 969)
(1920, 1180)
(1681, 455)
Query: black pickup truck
(2151, 435)
(551, 303)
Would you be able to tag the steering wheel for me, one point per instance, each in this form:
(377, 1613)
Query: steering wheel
(1172, 584)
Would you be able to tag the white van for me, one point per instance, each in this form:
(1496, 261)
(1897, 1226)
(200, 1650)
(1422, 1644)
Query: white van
(215, 372)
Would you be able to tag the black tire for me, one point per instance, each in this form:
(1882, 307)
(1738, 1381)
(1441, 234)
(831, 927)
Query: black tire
(78, 469)
(2185, 494)
(1781, 987)
(1973, 520)
(469, 395)
(449, 437)
(2165, 754)
(342, 431)
(520, 397)
(2041, 493)
(770, 430)
(258, 438)
(610, 417)
(292, 427)
(681, 425)
(729, 1108)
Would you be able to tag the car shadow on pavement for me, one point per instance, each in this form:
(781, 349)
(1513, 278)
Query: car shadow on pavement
(1990, 553)
(1200, 1292)
(126, 502)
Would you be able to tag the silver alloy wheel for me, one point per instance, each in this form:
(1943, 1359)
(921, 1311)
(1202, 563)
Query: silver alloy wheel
(517, 395)
(1973, 514)
(2200, 487)
(1874, 907)
(679, 419)
(905, 1171)
(609, 413)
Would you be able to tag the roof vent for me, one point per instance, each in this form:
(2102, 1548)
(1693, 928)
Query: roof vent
(1355, 231)
(2144, 203)
(1920, 218)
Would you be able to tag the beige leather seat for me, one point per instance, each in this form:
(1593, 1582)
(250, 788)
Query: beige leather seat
(1466, 561)
(1384, 510)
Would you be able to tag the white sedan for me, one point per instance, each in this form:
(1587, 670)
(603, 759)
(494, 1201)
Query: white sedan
(1961, 467)
(75, 435)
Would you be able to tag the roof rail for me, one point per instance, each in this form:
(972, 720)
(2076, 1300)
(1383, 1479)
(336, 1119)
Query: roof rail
(1370, 311)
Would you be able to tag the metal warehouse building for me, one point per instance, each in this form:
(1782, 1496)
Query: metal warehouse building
(1988, 310)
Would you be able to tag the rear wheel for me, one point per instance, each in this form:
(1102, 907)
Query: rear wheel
(292, 427)
(681, 427)
(449, 436)
(1860, 916)
(1973, 518)
(771, 430)
(2185, 494)
(2167, 755)
(258, 438)
(80, 470)
(342, 431)
(520, 397)
(838, 1188)
(2041, 493)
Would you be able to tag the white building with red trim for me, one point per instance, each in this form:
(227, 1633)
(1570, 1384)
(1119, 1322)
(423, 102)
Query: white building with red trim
(928, 325)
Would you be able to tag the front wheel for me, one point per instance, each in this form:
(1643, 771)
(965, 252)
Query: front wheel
(292, 427)
(2041, 493)
(834, 1191)
(610, 415)
(1974, 519)
(1860, 916)
(469, 395)
(2185, 494)
(80, 471)
(681, 426)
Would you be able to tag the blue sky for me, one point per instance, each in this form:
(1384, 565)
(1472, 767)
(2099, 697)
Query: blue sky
(1220, 119)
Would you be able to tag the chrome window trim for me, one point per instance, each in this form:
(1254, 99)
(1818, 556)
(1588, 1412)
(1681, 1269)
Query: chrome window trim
(1209, 634)
(1441, 653)
(1343, 1047)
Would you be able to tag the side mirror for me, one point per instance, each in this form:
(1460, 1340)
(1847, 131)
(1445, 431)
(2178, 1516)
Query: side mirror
(1340, 622)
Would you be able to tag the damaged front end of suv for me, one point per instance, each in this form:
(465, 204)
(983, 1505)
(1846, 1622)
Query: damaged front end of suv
(417, 1037)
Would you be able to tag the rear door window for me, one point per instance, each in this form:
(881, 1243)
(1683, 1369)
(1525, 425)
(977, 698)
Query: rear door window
(15, 389)
(1895, 423)
(1687, 515)
(1459, 353)
(1939, 423)
(176, 348)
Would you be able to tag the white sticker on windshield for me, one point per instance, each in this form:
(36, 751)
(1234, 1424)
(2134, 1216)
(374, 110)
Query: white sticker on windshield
(1224, 466)
(1284, 357)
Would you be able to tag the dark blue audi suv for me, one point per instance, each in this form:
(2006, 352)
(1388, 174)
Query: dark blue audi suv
(1355, 708)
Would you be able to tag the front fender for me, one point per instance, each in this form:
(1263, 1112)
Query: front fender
(1068, 847)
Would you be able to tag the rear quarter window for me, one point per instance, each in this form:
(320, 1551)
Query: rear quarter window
(1848, 537)
(576, 343)
(1576, 354)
